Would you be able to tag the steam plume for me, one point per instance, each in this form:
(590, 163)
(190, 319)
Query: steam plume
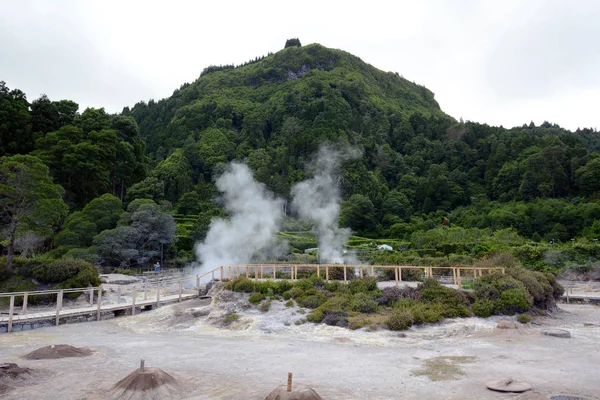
(255, 218)
(318, 199)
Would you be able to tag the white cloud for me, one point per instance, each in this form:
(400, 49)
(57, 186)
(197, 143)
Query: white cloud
(496, 62)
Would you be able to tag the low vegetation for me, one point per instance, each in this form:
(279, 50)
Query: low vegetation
(360, 303)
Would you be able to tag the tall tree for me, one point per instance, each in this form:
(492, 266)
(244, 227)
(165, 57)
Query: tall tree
(28, 198)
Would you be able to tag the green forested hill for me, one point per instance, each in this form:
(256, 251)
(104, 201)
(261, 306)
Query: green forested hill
(425, 180)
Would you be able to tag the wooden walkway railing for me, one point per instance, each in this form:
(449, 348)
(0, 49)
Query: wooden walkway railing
(260, 271)
(94, 296)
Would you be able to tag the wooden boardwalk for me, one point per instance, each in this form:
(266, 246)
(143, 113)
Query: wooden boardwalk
(153, 294)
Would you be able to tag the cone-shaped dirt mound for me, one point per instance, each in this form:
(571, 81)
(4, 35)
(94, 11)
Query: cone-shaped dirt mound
(11, 373)
(151, 383)
(57, 351)
(299, 392)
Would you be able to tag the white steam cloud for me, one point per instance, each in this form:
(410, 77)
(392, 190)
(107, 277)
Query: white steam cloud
(255, 218)
(318, 199)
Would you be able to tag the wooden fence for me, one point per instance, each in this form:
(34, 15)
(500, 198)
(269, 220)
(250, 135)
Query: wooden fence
(94, 298)
(260, 271)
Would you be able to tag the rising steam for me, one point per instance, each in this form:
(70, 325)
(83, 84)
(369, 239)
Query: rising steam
(255, 218)
(318, 199)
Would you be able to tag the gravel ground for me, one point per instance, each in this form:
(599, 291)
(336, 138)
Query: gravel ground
(250, 357)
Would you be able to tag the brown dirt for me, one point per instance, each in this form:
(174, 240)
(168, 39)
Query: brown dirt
(58, 351)
(149, 384)
(11, 372)
(299, 392)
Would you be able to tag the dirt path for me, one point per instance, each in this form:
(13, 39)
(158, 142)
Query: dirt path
(339, 364)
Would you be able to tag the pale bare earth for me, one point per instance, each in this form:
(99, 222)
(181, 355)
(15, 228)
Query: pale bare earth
(253, 355)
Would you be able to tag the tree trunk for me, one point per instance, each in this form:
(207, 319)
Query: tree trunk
(11, 243)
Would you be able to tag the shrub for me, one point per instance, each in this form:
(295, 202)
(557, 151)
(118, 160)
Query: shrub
(429, 313)
(336, 286)
(265, 306)
(433, 291)
(400, 320)
(513, 301)
(358, 321)
(316, 316)
(72, 273)
(363, 303)
(311, 301)
(335, 319)
(256, 298)
(289, 303)
(483, 308)
(524, 318)
(295, 292)
(362, 285)
(243, 285)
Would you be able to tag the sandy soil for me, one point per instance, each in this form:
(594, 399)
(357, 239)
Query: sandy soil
(452, 360)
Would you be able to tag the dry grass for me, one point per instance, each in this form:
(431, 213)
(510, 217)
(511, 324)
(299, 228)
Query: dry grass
(444, 368)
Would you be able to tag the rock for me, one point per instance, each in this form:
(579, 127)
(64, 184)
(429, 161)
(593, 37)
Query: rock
(505, 324)
(590, 324)
(560, 333)
(299, 392)
(200, 312)
(508, 385)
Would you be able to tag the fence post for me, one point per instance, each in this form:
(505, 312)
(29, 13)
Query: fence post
(198, 281)
(256, 272)
(180, 288)
(213, 274)
(133, 296)
(91, 296)
(10, 313)
(99, 311)
(274, 271)
(396, 276)
(59, 298)
(222, 272)
(157, 293)
(246, 270)
(262, 271)
(400, 274)
(318, 270)
(25, 303)
(118, 294)
(229, 272)
(327, 272)
(344, 272)
(361, 273)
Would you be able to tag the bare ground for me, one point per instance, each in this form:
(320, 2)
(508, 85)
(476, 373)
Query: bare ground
(247, 359)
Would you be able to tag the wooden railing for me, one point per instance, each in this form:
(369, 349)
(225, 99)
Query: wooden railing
(97, 306)
(259, 271)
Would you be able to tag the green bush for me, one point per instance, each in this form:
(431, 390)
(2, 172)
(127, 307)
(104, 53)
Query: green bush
(311, 301)
(513, 301)
(363, 303)
(289, 303)
(243, 285)
(483, 308)
(315, 316)
(295, 292)
(524, 318)
(364, 285)
(72, 273)
(256, 298)
(400, 319)
(433, 291)
(429, 313)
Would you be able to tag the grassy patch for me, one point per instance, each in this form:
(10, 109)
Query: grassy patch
(444, 368)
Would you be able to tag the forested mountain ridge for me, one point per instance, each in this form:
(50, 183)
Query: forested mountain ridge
(423, 179)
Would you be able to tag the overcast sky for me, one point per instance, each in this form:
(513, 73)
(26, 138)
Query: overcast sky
(498, 62)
